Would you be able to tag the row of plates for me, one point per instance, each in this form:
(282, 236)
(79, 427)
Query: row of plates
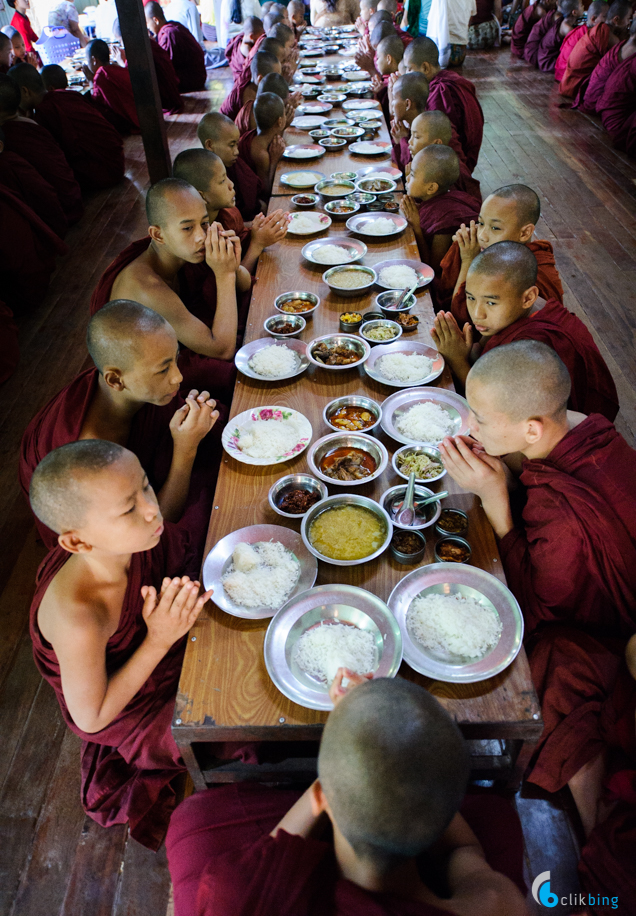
(361, 223)
(311, 177)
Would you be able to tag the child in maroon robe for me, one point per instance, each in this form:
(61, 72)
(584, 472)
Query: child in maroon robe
(617, 106)
(220, 135)
(338, 848)
(538, 33)
(262, 148)
(244, 88)
(564, 22)
(434, 127)
(526, 22)
(238, 49)
(596, 12)
(110, 85)
(185, 52)
(167, 80)
(19, 176)
(603, 70)
(441, 211)
(593, 46)
(409, 98)
(572, 558)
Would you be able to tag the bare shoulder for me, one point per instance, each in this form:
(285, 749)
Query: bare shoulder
(140, 282)
(71, 607)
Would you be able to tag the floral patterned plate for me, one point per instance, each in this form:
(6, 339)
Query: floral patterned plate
(238, 427)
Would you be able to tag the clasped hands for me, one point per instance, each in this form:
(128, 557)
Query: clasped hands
(473, 469)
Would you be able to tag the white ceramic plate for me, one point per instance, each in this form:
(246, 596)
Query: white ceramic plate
(314, 108)
(304, 151)
(302, 179)
(245, 354)
(371, 147)
(238, 426)
(320, 220)
(360, 104)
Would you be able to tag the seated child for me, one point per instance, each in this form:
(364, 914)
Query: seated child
(220, 135)
(238, 49)
(409, 98)
(434, 127)
(262, 148)
(245, 86)
(296, 11)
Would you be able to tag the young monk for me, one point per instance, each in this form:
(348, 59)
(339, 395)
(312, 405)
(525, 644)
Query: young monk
(451, 93)
(262, 148)
(352, 843)
(409, 98)
(185, 52)
(18, 176)
(220, 135)
(537, 34)
(509, 214)
(244, 89)
(238, 49)
(111, 87)
(54, 77)
(434, 171)
(604, 69)
(6, 53)
(296, 11)
(617, 106)
(108, 622)
(276, 83)
(389, 54)
(524, 24)
(434, 127)
(504, 305)
(573, 557)
(92, 146)
(593, 45)
(367, 9)
(551, 33)
(183, 252)
(596, 12)
(35, 144)
(167, 79)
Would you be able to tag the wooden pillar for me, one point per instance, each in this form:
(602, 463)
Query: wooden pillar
(134, 32)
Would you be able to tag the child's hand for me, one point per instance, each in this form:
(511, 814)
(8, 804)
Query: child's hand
(267, 230)
(170, 615)
(453, 344)
(222, 250)
(466, 238)
(364, 59)
(337, 691)
(192, 422)
(31, 58)
(398, 132)
(276, 149)
(410, 211)
(377, 83)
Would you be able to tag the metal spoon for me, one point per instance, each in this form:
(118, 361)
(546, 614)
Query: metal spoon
(405, 295)
(405, 512)
(417, 505)
(431, 499)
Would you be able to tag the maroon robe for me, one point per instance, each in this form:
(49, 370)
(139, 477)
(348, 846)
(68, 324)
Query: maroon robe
(588, 100)
(585, 55)
(224, 863)
(593, 388)
(248, 187)
(242, 119)
(230, 218)
(25, 182)
(197, 291)
(245, 149)
(566, 49)
(167, 80)
(455, 96)
(255, 47)
(521, 30)
(92, 146)
(9, 346)
(234, 55)
(401, 154)
(550, 47)
(574, 559)
(37, 146)
(444, 214)
(617, 108)
(536, 36)
(112, 88)
(186, 54)
(234, 99)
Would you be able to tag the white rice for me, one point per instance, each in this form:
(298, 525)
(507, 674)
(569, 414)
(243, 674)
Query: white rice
(370, 148)
(302, 179)
(398, 277)
(325, 648)
(374, 175)
(302, 154)
(261, 575)
(268, 439)
(276, 361)
(453, 625)
(332, 254)
(404, 367)
(305, 222)
(380, 226)
(426, 422)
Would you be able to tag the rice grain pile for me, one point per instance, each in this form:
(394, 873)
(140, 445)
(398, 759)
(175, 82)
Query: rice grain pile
(375, 175)
(332, 254)
(380, 226)
(453, 625)
(302, 179)
(265, 439)
(426, 422)
(276, 361)
(261, 575)
(323, 649)
(398, 277)
(404, 367)
(370, 148)
(305, 222)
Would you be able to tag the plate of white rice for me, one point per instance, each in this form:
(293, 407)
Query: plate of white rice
(270, 361)
(301, 179)
(267, 435)
(459, 624)
(402, 273)
(254, 571)
(308, 223)
(424, 415)
(325, 628)
(377, 226)
(337, 249)
(404, 364)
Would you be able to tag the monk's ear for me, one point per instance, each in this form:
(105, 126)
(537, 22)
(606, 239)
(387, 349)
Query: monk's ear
(529, 297)
(534, 430)
(317, 798)
(526, 232)
(73, 543)
(208, 145)
(156, 234)
(432, 188)
(114, 378)
(437, 142)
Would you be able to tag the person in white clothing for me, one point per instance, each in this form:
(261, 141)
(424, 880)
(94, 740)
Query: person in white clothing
(233, 15)
(63, 15)
(185, 12)
(459, 14)
(105, 18)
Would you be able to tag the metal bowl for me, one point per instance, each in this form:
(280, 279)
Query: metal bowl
(360, 347)
(332, 143)
(355, 248)
(396, 495)
(353, 400)
(343, 176)
(319, 134)
(444, 532)
(409, 559)
(296, 482)
(360, 440)
(387, 300)
(387, 185)
(346, 499)
(345, 291)
(311, 92)
(452, 539)
(322, 188)
(244, 355)
(362, 198)
(297, 198)
(349, 327)
(352, 207)
(312, 298)
(380, 323)
(274, 322)
(429, 450)
(348, 133)
(336, 98)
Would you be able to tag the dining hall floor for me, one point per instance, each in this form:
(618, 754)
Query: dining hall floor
(53, 859)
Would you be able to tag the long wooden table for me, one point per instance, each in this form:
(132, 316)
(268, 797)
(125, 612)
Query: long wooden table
(225, 693)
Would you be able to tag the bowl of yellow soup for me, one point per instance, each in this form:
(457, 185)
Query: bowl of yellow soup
(346, 530)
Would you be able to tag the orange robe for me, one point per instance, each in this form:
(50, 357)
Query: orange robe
(584, 57)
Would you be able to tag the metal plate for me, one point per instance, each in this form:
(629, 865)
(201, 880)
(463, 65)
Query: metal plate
(397, 404)
(291, 152)
(362, 221)
(382, 170)
(314, 108)
(353, 76)
(406, 347)
(343, 603)
(363, 147)
(322, 222)
(218, 561)
(242, 358)
(231, 435)
(357, 249)
(360, 105)
(308, 122)
(424, 272)
(458, 579)
(312, 179)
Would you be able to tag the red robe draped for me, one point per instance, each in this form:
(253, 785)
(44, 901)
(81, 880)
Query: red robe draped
(585, 55)
(593, 388)
(536, 36)
(444, 214)
(234, 99)
(566, 49)
(402, 156)
(242, 119)
(186, 54)
(37, 146)
(600, 75)
(9, 346)
(234, 55)
(617, 108)
(92, 146)
(255, 47)
(167, 80)
(550, 47)
(248, 187)
(112, 88)
(230, 218)
(245, 149)
(25, 182)
(455, 96)
(574, 559)
(197, 291)
(521, 30)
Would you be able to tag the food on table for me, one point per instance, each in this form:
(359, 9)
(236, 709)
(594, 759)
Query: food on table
(378, 176)
(391, 206)
(331, 254)
(305, 199)
(297, 501)
(452, 552)
(381, 332)
(426, 422)
(331, 141)
(334, 354)
(347, 533)
(335, 190)
(269, 439)
(323, 649)
(302, 152)
(380, 226)
(274, 361)
(302, 179)
(352, 419)
(407, 321)
(349, 279)
(307, 222)
(261, 575)
(347, 463)
(406, 542)
(404, 367)
(341, 207)
(370, 148)
(424, 466)
(297, 305)
(351, 317)
(452, 521)
(286, 328)
(398, 277)
(452, 624)
(375, 184)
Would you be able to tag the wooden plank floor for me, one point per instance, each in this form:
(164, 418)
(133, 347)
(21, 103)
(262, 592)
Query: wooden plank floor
(53, 860)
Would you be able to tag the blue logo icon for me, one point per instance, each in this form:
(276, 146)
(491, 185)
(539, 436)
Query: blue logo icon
(541, 890)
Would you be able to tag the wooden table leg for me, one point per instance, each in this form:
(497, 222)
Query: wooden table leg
(522, 759)
(192, 764)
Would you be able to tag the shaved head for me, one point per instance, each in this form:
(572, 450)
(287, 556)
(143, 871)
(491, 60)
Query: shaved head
(276, 83)
(253, 26)
(281, 32)
(164, 195)
(523, 380)
(511, 261)
(263, 62)
(213, 126)
(392, 45)
(271, 18)
(378, 17)
(597, 8)
(389, 5)
(437, 125)
(197, 167)
(393, 767)
(413, 87)
(422, 51)
(369, 4)
(60, 486)
(54, 77)
(381, 31)
(268, 108)
(5, 41)
(115, 335)
(569, 6)
(154, 10)
(527, 203)
(619, 9)
(272, 46)
(26, 75)
(99, 50)
(439, 164)
(9, 95)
